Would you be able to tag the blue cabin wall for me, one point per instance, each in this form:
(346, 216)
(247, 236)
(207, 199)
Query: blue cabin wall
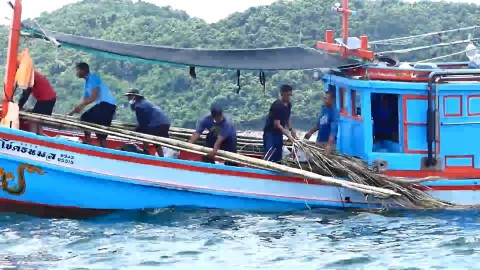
(351, 127)
(459, 123)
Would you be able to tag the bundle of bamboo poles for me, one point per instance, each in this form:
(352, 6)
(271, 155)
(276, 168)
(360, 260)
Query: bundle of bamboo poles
(226, 156)
(245, 144)
(340, 166)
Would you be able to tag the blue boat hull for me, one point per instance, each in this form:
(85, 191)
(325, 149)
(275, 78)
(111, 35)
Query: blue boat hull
(68, 193)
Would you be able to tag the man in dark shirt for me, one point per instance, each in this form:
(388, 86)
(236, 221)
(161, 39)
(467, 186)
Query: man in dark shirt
(278, 124)
(221, 134)
(46, 97)
(327, 124)
(151, 119)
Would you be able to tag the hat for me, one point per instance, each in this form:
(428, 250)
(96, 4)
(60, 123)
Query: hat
(133, 92)
(216, 110)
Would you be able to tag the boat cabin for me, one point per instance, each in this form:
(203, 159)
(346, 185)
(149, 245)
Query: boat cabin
(415, 118)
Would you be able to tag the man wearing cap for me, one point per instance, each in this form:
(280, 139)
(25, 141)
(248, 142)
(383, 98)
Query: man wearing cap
(151, 119)
(278, 123)
(98, 93)
(221, 134)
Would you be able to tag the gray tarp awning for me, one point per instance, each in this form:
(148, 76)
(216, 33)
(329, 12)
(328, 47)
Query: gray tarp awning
(285, 58)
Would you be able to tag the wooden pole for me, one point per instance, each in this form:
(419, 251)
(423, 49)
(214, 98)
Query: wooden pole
(178, 131)
(181, 133)
(175, 130)
(345, 14)
(11, 63)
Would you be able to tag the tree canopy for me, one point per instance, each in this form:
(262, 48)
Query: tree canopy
(284, 23)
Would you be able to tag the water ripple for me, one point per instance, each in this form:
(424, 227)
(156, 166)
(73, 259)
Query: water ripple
(181, 238)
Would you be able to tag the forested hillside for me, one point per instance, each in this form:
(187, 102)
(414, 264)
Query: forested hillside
(280, 24)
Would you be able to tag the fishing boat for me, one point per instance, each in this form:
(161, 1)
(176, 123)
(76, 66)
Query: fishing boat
(53, 177)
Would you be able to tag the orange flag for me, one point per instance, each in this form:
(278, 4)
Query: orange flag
(25, 71)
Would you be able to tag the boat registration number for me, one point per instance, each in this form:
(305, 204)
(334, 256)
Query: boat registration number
(66, 159)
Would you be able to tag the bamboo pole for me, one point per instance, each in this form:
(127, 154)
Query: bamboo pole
(242, 139)
(243, 147)
(179, 145)
(174, 131)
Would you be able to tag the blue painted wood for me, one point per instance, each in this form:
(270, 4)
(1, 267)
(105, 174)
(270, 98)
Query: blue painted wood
(459, 115)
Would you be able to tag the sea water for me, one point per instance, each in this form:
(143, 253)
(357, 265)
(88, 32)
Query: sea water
(214, 239)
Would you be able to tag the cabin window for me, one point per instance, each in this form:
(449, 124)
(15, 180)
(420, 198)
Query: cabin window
(385, 122)
(343, 97)
(356, 103)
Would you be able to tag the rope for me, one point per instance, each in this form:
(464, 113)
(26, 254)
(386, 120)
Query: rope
(409, 39)
(297, 160)
(442, 57)
(429, 46)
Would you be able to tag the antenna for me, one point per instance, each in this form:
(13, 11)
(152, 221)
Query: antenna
(300, 34)
(346, 45)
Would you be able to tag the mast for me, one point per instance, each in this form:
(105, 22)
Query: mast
(11, 63)
(346, 49)
(345, 13)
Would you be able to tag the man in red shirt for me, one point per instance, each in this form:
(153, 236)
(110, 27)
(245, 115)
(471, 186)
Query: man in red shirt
(46, 97)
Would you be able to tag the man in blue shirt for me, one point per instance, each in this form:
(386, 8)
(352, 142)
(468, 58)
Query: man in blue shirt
(96, 92)
(221, 134)
(278, 123)
(151, 119)
(327, 124)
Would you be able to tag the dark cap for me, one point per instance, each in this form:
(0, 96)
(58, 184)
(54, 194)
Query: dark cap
(216, 110)
(133, 92)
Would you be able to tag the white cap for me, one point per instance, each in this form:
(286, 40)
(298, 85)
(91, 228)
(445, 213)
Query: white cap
(471, 51)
